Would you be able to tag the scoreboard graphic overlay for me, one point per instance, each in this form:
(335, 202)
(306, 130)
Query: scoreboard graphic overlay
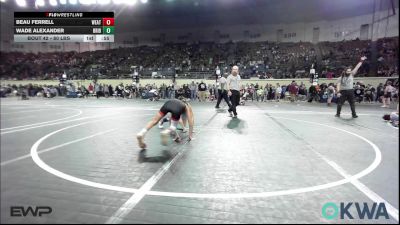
(64, 26)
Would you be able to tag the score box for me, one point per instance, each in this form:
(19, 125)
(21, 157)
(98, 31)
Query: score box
(108, 30)
(108, 21)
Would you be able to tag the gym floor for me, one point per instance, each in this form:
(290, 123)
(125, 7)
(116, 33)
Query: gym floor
(278, 162)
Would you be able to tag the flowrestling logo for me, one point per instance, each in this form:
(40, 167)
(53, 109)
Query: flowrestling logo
(364, 210)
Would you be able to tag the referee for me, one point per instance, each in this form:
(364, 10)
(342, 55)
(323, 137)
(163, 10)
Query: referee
(345, 89)
(222, 93)
(233, 85)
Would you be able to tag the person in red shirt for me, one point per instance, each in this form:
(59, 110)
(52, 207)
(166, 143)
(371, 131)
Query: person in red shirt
(90, 88)
(329, 75)
(293, 90)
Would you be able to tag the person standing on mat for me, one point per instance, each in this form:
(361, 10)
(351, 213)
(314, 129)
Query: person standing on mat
(233, 87)
(345, 89)
(202, 91)
(178, 109)
(387, 94)
(222, 93)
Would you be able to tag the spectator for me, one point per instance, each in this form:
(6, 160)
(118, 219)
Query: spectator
(313, 93)
(212, 93)
(106, 91)
(192, 88)
(202, 91)
(110, 90)
(389, 89)
(293, 91)
(97, 90)
(302, 93)
(91, 88)
(331, 93)
(369, 96)
(260, 94)
(278, 92)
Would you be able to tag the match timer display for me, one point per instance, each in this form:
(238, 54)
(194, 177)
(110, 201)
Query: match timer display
(64, 26)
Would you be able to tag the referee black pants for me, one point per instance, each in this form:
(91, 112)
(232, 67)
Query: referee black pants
(235, 100)
(223, 95)
(346, 95)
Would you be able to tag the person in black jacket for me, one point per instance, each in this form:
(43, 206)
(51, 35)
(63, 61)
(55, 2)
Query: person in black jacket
(313, 94)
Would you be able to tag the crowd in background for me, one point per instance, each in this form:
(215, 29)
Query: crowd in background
(200, 91)
(259, 59)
